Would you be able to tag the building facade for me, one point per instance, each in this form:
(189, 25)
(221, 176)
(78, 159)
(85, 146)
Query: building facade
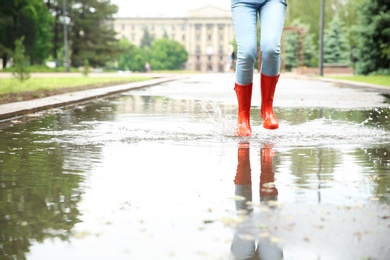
(206, 33)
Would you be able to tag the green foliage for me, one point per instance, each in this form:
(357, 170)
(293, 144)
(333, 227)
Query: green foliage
(164, 54)
(311, 51)
(28, 18)
(20, 68)
(336, 48)
(372, 35)
(131, 57)
(43, 34)
(385, 50)
(42, 68)
(86, 68)
(38, 197)
(379, 79)
(168, 55)
(12, 85)
(147, 39)
(290, 49)
(308, 12)
(91, 36)
(293, 47)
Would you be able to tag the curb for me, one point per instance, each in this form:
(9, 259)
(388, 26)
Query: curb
(17, 109)
(341, 83)
(349, 83)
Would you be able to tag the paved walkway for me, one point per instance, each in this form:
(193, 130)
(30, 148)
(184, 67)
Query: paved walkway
(17, 109)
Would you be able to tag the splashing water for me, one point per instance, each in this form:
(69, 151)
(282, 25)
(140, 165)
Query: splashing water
(210, 125)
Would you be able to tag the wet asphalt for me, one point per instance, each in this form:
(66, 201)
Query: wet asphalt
(162, 175)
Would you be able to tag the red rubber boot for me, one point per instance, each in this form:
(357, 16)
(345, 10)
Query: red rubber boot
(244, 98)
(268, 85)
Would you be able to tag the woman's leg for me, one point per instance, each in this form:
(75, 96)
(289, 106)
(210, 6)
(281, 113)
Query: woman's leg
(244, 15)
(272, 16)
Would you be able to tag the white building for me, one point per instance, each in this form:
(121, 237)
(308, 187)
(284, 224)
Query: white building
(206, 34)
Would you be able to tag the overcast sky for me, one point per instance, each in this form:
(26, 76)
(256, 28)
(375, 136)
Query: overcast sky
(167, 8)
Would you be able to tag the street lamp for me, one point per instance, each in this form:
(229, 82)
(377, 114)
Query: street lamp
(65, 37)
(322, 18)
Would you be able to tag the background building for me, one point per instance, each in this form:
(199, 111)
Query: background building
(206, 34)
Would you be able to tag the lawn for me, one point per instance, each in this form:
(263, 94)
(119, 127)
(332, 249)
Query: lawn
(12, 85)
(383, 80)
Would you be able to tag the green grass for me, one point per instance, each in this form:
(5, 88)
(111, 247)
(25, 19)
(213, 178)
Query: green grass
(12, 85)
(383, 80)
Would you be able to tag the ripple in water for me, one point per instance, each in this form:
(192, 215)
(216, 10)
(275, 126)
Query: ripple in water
(217, 130)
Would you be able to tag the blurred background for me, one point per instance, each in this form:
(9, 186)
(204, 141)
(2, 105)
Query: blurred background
(119, 35)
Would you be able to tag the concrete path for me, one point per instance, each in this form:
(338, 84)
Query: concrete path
(16, 109)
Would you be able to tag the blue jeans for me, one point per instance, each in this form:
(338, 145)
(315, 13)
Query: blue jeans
(245, 14)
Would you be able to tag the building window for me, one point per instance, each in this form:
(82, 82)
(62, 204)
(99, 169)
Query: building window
(173, 27)
(209, 26)
(198, 26)
(221, 26)
(209, 57)
(152, 27)
(198, 37)
(132, 27)
(183, 27)
(209, 50)
(220, 51)
(183, 37)
(221, 37)
(209, 37)
(123, 27)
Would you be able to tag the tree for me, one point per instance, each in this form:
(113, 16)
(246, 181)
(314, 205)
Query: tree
(147, 39)
(131, 57)
(168, 55)
(293, 47)
(86, 68)
(20, 70)
(290, 50)
(372, 37)
(91, 36)
(56, 8)
(336, 48)
(43, 34)
(308, 12)
(28, 18)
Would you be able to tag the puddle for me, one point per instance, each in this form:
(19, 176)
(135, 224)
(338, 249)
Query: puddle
(157, 173)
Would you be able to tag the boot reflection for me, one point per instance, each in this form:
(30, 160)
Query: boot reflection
(242, 180)
(244, 246)
(268, 191)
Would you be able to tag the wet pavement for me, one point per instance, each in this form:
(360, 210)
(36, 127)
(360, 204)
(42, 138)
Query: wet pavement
(156, 173)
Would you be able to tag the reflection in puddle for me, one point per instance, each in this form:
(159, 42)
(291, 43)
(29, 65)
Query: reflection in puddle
(268, 229)
(113, 178)
(245, 245)
(209, 124)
